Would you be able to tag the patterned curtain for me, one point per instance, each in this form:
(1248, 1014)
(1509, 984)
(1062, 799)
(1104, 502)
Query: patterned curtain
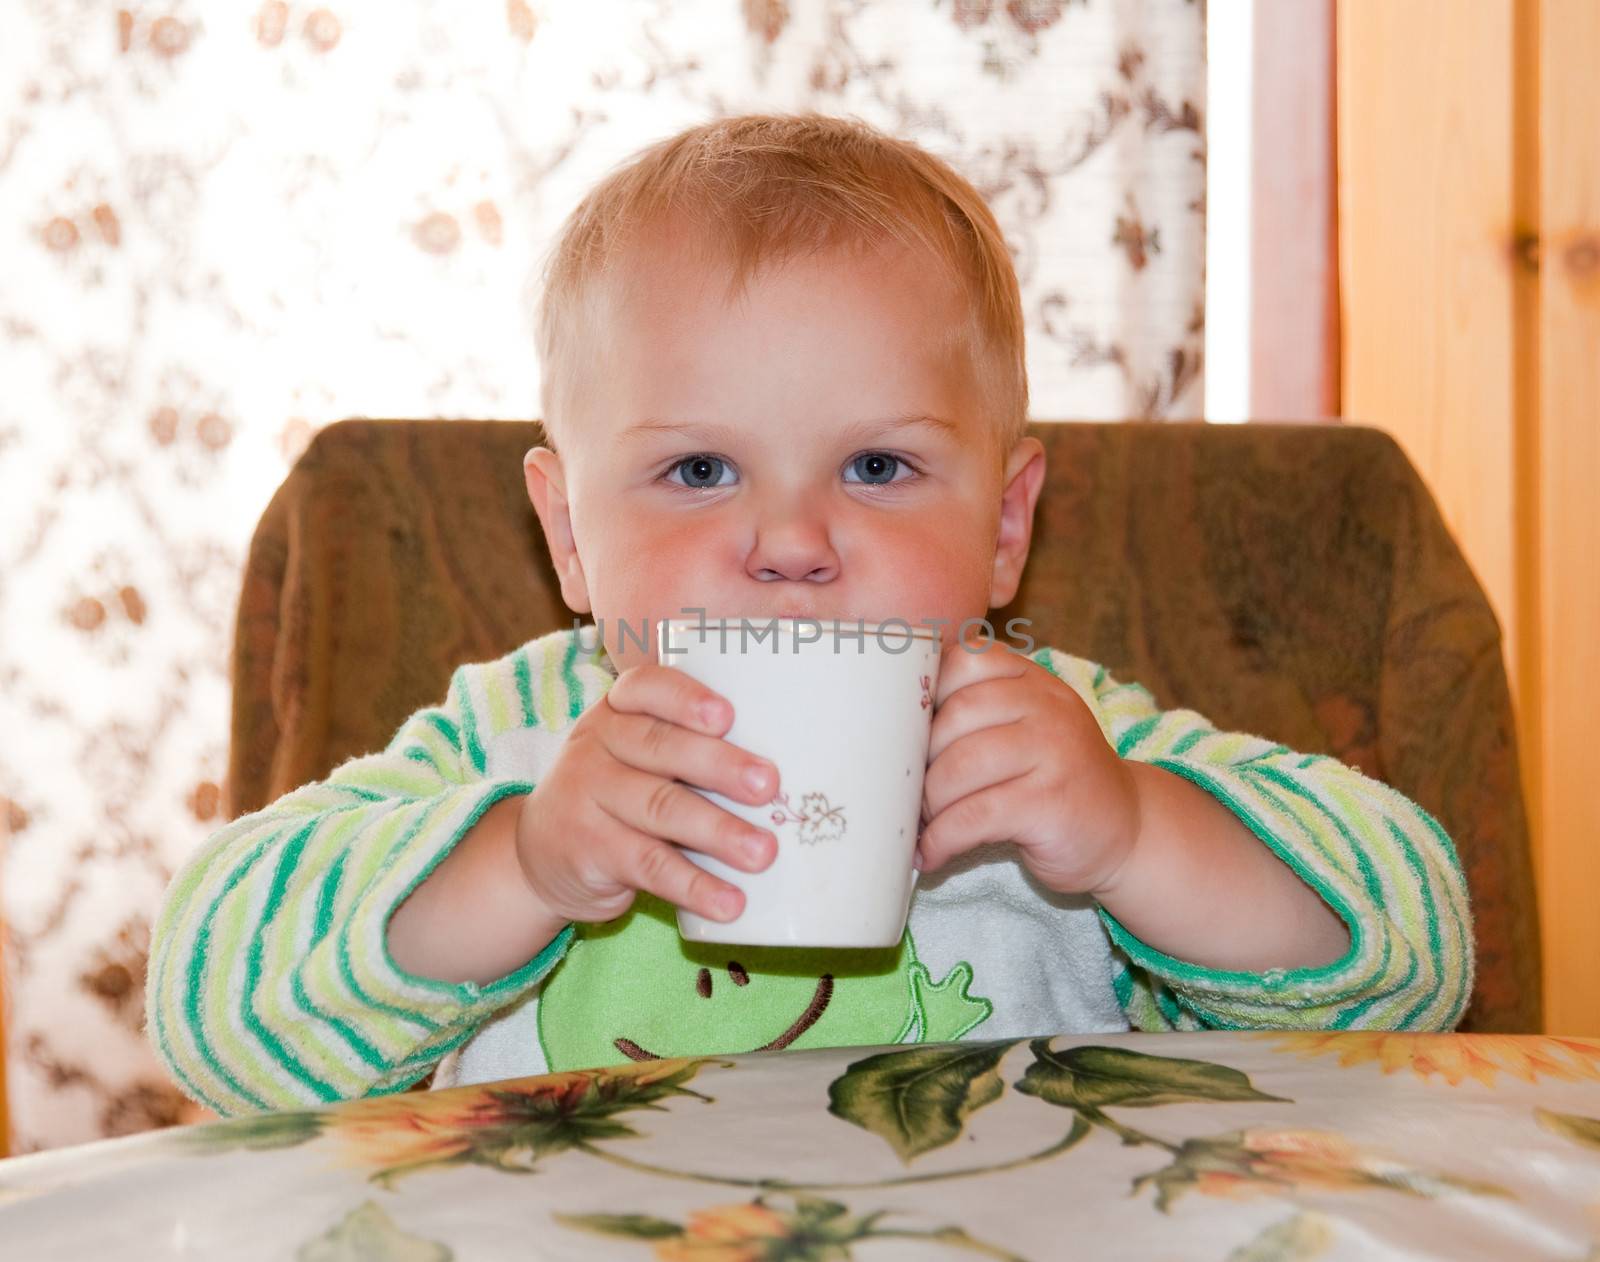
(224, 228)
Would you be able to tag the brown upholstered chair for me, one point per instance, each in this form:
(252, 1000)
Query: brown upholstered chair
(1295, 581)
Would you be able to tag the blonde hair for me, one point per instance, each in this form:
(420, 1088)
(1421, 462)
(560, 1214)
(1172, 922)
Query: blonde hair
(760, 188)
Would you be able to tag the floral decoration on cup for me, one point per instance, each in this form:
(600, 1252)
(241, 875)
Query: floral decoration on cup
(819, 820)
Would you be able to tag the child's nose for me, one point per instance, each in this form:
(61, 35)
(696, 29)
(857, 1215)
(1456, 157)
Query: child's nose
(790, 536)
(802, 555)
(799, 574)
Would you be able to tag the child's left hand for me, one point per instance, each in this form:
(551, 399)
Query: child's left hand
(1017, 756)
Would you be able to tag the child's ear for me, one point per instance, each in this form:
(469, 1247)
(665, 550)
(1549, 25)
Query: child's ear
(1021, 482)
(547, 489)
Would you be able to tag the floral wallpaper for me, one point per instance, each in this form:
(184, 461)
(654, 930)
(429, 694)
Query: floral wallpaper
(224, 226)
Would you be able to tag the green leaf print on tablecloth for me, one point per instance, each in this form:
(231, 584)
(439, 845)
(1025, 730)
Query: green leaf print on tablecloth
(255, 1134)
(1262, 1160)
(1091, 1078)
(919, 1099)
(1581, 1130)
(368, 1234)
(1297, 1239)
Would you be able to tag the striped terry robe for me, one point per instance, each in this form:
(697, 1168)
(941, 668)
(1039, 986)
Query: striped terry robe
(270, 983)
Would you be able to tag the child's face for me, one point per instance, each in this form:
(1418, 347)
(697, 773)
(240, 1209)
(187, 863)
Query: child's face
(806, 500)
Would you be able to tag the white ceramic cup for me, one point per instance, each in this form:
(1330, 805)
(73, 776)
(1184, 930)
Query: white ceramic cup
(843, 710)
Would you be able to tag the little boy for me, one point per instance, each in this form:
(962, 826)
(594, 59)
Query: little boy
(784, 377)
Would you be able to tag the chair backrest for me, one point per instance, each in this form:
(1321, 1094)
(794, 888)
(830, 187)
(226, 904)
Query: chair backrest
(1295, 581)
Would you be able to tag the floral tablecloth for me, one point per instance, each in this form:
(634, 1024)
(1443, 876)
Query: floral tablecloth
(1229, 1146)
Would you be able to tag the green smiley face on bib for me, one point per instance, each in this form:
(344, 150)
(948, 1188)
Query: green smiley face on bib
(632, 989)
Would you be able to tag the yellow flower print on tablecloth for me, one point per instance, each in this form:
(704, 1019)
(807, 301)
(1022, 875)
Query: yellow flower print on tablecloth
(811, 1230)
(728, 1233)
(1454, 1057)
(1266, 1161)
(508, 1126)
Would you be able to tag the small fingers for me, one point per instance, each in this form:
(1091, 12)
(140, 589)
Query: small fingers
(670, 694)
(662, 870)
(670, 811)
(975, 819)
(989, 703)
(991, 755)
(964, 662)
(665, 749)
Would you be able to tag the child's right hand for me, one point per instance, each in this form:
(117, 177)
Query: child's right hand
(608, 818)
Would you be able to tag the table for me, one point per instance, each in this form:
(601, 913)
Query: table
(1245, 1146)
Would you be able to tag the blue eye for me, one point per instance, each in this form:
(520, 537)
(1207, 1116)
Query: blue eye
(704, 472)
(877, 468)
(700, 472)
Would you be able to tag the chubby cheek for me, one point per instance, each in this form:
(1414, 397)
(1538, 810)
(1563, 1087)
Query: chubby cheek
(652, 570)
(936, 571)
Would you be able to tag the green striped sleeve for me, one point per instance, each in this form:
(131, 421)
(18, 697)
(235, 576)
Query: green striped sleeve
(1381, 862)
(270, 981)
